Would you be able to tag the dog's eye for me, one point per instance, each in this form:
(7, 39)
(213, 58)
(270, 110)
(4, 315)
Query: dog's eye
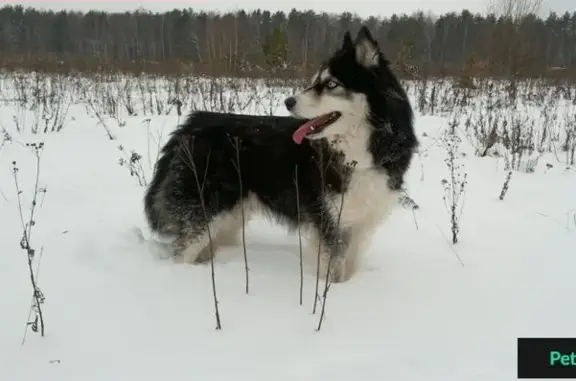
(331, 85)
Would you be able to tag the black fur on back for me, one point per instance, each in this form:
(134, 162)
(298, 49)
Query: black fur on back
(230, 152)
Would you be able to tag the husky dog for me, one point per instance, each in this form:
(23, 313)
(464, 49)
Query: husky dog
(335, 167)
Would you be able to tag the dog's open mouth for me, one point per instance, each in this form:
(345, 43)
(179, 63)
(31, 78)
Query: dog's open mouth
(315, 126)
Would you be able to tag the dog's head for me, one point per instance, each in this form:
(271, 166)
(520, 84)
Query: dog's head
(338, 101)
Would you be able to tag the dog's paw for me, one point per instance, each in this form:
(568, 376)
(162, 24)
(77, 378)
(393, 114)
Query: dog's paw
(339, 271)
(204, 256)
(192, 258)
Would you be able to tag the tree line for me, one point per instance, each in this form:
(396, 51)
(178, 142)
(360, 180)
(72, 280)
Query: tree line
(263, 42)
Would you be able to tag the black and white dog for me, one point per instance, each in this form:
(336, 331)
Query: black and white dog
(335, 168)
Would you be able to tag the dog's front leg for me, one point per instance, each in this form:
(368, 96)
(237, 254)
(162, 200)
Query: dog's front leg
(344, 255)
(334, 262)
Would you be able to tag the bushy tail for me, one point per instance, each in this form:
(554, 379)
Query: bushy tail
(150, 209)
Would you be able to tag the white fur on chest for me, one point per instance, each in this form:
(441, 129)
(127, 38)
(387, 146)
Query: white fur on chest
(367, 199)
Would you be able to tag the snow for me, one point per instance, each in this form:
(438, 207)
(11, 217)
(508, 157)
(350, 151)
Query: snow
(117, 309)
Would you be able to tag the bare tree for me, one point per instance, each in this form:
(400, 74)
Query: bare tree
(514, 9)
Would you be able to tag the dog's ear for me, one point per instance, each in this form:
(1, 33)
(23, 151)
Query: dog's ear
(367, 51)
(347, 44)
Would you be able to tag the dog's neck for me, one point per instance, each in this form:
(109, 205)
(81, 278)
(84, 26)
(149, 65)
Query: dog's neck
(355, 146)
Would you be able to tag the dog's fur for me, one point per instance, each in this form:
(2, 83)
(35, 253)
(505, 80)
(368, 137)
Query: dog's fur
(346, 177)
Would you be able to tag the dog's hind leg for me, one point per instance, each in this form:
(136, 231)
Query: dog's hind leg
(190, 244)
(232, 225)
(197, 243)
(228, 235)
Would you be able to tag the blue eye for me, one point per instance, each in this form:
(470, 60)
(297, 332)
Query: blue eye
(331, 85)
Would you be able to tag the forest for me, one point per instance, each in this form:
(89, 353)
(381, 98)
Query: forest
(264, 43)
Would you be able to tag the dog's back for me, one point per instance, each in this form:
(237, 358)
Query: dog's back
(203, 160)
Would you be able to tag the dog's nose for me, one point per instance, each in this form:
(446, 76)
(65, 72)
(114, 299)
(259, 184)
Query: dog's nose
(290, 102)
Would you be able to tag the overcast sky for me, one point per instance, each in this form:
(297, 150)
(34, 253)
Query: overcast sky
(361, 7)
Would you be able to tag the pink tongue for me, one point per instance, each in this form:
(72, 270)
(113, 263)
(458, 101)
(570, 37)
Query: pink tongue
(307, 128)
(302, 131)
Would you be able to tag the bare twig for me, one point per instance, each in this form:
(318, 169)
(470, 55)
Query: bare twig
(133, 163)
(320, 164)
(25, 243)
(186, 148)
(299, 233)
(327, 282)
(238, 169)
(101, 120)
(505, 186)
(33, 301)
(454, 187)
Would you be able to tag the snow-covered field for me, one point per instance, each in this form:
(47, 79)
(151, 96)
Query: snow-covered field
(420, 308)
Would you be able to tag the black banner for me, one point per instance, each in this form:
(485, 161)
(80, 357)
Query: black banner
(547, 358)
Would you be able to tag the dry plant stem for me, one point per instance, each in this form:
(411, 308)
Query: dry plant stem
(133, 163)
(453, 219)
(41, 319)
(37, 292)
(26, 238)
(101, 120)
(35, 197)
(330, 259)
(299, 233)
(455, 187)
(148, 120)
(237, 165)
(185, 144)
(505, 186)
(316, 287)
